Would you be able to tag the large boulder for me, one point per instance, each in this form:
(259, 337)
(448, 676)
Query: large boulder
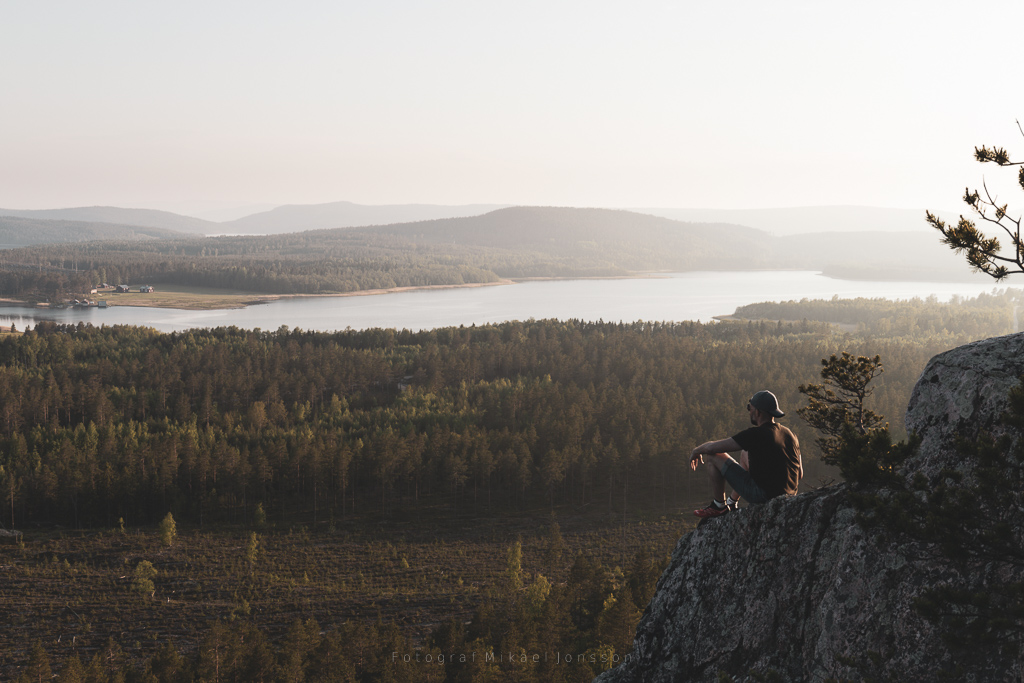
(797, 588)
(962, 391)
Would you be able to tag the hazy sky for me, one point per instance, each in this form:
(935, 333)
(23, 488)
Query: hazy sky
(672, 104)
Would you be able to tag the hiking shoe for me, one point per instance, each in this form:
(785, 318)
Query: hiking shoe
(733, 507)
(711, 510)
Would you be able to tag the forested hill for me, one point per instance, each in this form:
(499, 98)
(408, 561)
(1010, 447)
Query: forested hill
(623, 239)
(113, 215)
(508, 243)
(542, 226)
(514, 242)
(16, 231)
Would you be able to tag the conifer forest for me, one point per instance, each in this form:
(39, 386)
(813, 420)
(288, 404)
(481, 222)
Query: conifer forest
(460, 504)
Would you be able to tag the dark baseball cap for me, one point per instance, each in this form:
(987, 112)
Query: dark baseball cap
(766, 402)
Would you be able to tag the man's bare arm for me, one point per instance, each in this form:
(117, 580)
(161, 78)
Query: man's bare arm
(720, 446)
(711, 448)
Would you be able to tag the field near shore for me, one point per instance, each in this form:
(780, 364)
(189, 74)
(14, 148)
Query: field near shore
(183, 296)
(208, 298)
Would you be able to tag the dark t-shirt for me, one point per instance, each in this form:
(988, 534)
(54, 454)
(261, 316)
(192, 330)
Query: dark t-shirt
(774, 454)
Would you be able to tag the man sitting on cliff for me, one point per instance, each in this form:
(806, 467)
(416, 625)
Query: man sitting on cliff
(769, 465)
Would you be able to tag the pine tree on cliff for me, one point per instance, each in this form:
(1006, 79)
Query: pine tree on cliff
(984, 253)
(975, 521)
(971, 521)
(839, 402)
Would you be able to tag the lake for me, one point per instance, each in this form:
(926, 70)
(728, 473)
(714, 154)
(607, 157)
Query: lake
(674, 296)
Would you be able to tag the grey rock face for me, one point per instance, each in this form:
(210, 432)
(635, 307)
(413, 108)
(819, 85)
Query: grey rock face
(961, 391)
(796, 587)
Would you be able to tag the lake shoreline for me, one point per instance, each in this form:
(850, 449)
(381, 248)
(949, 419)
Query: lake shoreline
(690, 296)
(845, 327)
(258, 299)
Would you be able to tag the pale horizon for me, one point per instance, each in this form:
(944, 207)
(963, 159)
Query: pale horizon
(201, 109)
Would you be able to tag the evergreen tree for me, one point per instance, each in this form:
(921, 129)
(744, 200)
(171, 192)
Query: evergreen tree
(168, 530)
(143, 578)
(555, 549)
(984, 253)
(252, 552)
(514, 569)
(73, 671)
(838, 402)
(970, 519)
(38, 669)
(167, 666)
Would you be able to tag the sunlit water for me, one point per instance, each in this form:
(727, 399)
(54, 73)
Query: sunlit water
(678, 296)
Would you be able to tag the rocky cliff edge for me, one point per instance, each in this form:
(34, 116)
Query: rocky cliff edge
(796, 588)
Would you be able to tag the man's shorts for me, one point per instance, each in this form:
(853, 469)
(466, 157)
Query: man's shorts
(741, 482)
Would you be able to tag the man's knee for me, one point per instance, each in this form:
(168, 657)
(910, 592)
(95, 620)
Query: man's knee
(720, 461)
(715, 461)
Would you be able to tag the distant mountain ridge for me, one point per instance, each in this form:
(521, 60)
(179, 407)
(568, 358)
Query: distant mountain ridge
(16, 231)
(560, 241)
(630, 238)
(113, 215)
(344, 214)
(642, 242)
(810, 219)
(282, 219)
(516, 225)
(302, 217)
(513, 242)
